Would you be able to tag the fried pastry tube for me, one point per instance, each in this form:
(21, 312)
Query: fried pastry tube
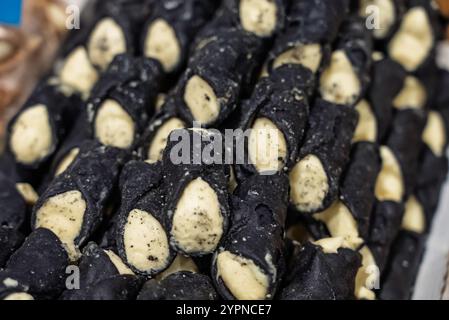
(251, 261)
(36, 269)
(311, 28)
(198, 202)
(315, 178)
(73, 205)
(103, 276)
(323, 270)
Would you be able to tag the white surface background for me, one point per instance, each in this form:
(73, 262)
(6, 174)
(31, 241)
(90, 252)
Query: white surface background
(431, 278)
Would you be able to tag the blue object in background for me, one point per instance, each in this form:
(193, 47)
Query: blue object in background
(10, 12)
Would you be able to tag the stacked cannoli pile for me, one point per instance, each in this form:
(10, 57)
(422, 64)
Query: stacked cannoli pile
(347, 95)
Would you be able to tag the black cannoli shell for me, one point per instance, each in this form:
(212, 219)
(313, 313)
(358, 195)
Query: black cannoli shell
(59, 109)
(282, 99)
(317, 21)
(228, 16)
(178, 176)
(386, 222)
(94, 173)
(134, 83)
(258, 225)
(153, 202)
(127, 26)
(431, 177)
(387, 80)
(121, 287)
(95, 266)
(179, 286)
(357, 188)
(78, 135)
(10, 241)
(226, 87)
(167, 112)
(13, 207)
(329, 137)
(186, 17)
(356, 40)
(315, 275)
(40, 264)
(402, 269)
(405, 141)
(99, 278)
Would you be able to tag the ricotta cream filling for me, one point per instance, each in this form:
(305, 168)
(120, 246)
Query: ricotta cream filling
(31, 137)
(146, 242)
(308, 184)
(242, 277)
(267, 146)
(63, 214)
(197, 221)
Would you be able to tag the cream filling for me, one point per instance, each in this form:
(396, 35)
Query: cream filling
(434, 135)
(162, 44)
(67, 161)
(386, 15)
(258, 16)
(19, 296)
(159, 142)
(197, 221)
(31, 138)
(339, 83)
(106, 42)
(414, 40)
(413, 95)
(367, 276)
(341, 224)
(309, 184)
(146, 242)
(367, 126)
(78, 72)
(267, 146)
(242, 277)
(180, 264)
(64, 215)
(330, 245)
(307, 55)
(114, 126)
(414, 218)
(200, 98)
(28, 193)
(390, 183)
(118, 263)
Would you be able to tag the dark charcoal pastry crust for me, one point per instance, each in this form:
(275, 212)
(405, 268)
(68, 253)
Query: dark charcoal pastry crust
(178, 176)
(141, 188)
(405, 141)
(385, 224)
(38, 266)
(402, 269)
(94, 173)
(100, 279)
(13, 207)
(281, 98)
(387, 80)
(357, 188)
(315, 275)
(179, 286)
(186, 17)
(258, 225)
(329, 136)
